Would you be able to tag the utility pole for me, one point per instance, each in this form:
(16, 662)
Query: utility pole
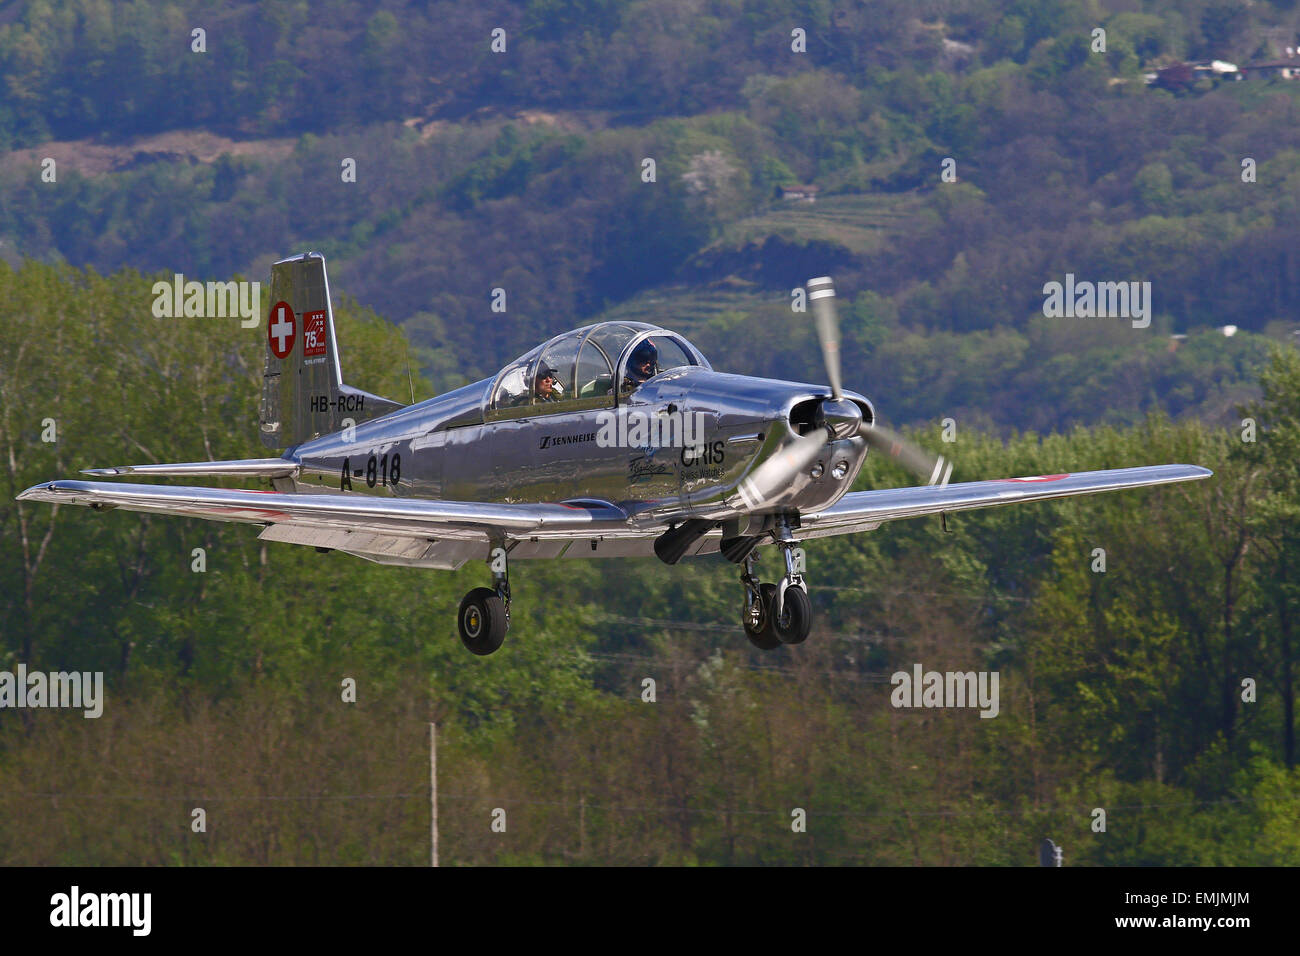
(433, 792)
(1049, 854)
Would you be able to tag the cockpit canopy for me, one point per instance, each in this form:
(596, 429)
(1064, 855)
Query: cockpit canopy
(591, 367)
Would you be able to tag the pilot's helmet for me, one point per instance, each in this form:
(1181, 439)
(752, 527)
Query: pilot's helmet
(643, 362)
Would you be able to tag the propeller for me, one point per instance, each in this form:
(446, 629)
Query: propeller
(932, 469)
(821, 295)
(775, 474)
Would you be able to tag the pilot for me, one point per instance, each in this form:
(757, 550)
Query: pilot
(546, 388)
(642, 364)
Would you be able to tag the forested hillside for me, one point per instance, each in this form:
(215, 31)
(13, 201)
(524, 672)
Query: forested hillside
(524, 170)
(1122, 689)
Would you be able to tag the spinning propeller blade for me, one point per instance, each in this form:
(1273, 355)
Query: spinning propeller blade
(821, 295)
(932, 469)
(775, 475)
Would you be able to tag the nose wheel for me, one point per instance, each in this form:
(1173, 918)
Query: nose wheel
(484, 615)
(792, 624)
(776, 614)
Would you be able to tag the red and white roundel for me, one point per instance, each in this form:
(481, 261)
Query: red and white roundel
(1038, 478)
(281, 329)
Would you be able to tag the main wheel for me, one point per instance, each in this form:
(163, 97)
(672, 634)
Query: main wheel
(482, 621)
(755, 621)
(796, 617)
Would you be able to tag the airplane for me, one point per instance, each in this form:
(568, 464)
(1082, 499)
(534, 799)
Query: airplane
(616, 439)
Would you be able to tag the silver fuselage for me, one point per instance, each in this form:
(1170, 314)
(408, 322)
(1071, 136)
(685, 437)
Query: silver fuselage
(450, 447)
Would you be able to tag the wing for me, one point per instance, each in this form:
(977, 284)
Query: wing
(446, 534)
(865, 510)
(412, 532)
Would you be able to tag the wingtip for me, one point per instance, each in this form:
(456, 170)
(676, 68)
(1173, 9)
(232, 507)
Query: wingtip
(105, 472)
(36, 492)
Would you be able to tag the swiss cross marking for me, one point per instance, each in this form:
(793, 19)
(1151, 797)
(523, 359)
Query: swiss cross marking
(280, 330)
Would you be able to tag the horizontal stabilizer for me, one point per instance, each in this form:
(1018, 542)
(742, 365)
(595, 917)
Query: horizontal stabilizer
(247, 468)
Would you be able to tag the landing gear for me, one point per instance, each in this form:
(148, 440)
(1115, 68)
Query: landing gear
(791, 609)
(776, 614)
(757, 612)
(484, 614)
(794, 622)
(482, 621)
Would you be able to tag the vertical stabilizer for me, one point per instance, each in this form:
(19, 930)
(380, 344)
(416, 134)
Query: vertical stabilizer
(303, 395)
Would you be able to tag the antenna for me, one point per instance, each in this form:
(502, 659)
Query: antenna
(410, 381)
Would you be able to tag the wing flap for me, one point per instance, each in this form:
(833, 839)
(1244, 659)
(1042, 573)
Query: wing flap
(337, 539)
(412, 551)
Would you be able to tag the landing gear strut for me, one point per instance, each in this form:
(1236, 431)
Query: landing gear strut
(484, 614)
(776, 614)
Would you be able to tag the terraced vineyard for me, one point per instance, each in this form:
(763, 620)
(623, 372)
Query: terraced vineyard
(688, 308)
(859, 222)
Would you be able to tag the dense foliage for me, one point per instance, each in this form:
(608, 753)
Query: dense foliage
(1120, 689)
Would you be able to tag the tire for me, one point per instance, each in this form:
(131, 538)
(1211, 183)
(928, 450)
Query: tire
(482, 621)
(796, 616)
(760, 634)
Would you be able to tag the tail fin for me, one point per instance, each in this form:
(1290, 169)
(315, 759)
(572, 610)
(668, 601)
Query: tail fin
(303, 394)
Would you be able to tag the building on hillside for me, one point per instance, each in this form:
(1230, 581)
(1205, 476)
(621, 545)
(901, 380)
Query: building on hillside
(805, 193)
(1284, 69)
(1181, 76)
